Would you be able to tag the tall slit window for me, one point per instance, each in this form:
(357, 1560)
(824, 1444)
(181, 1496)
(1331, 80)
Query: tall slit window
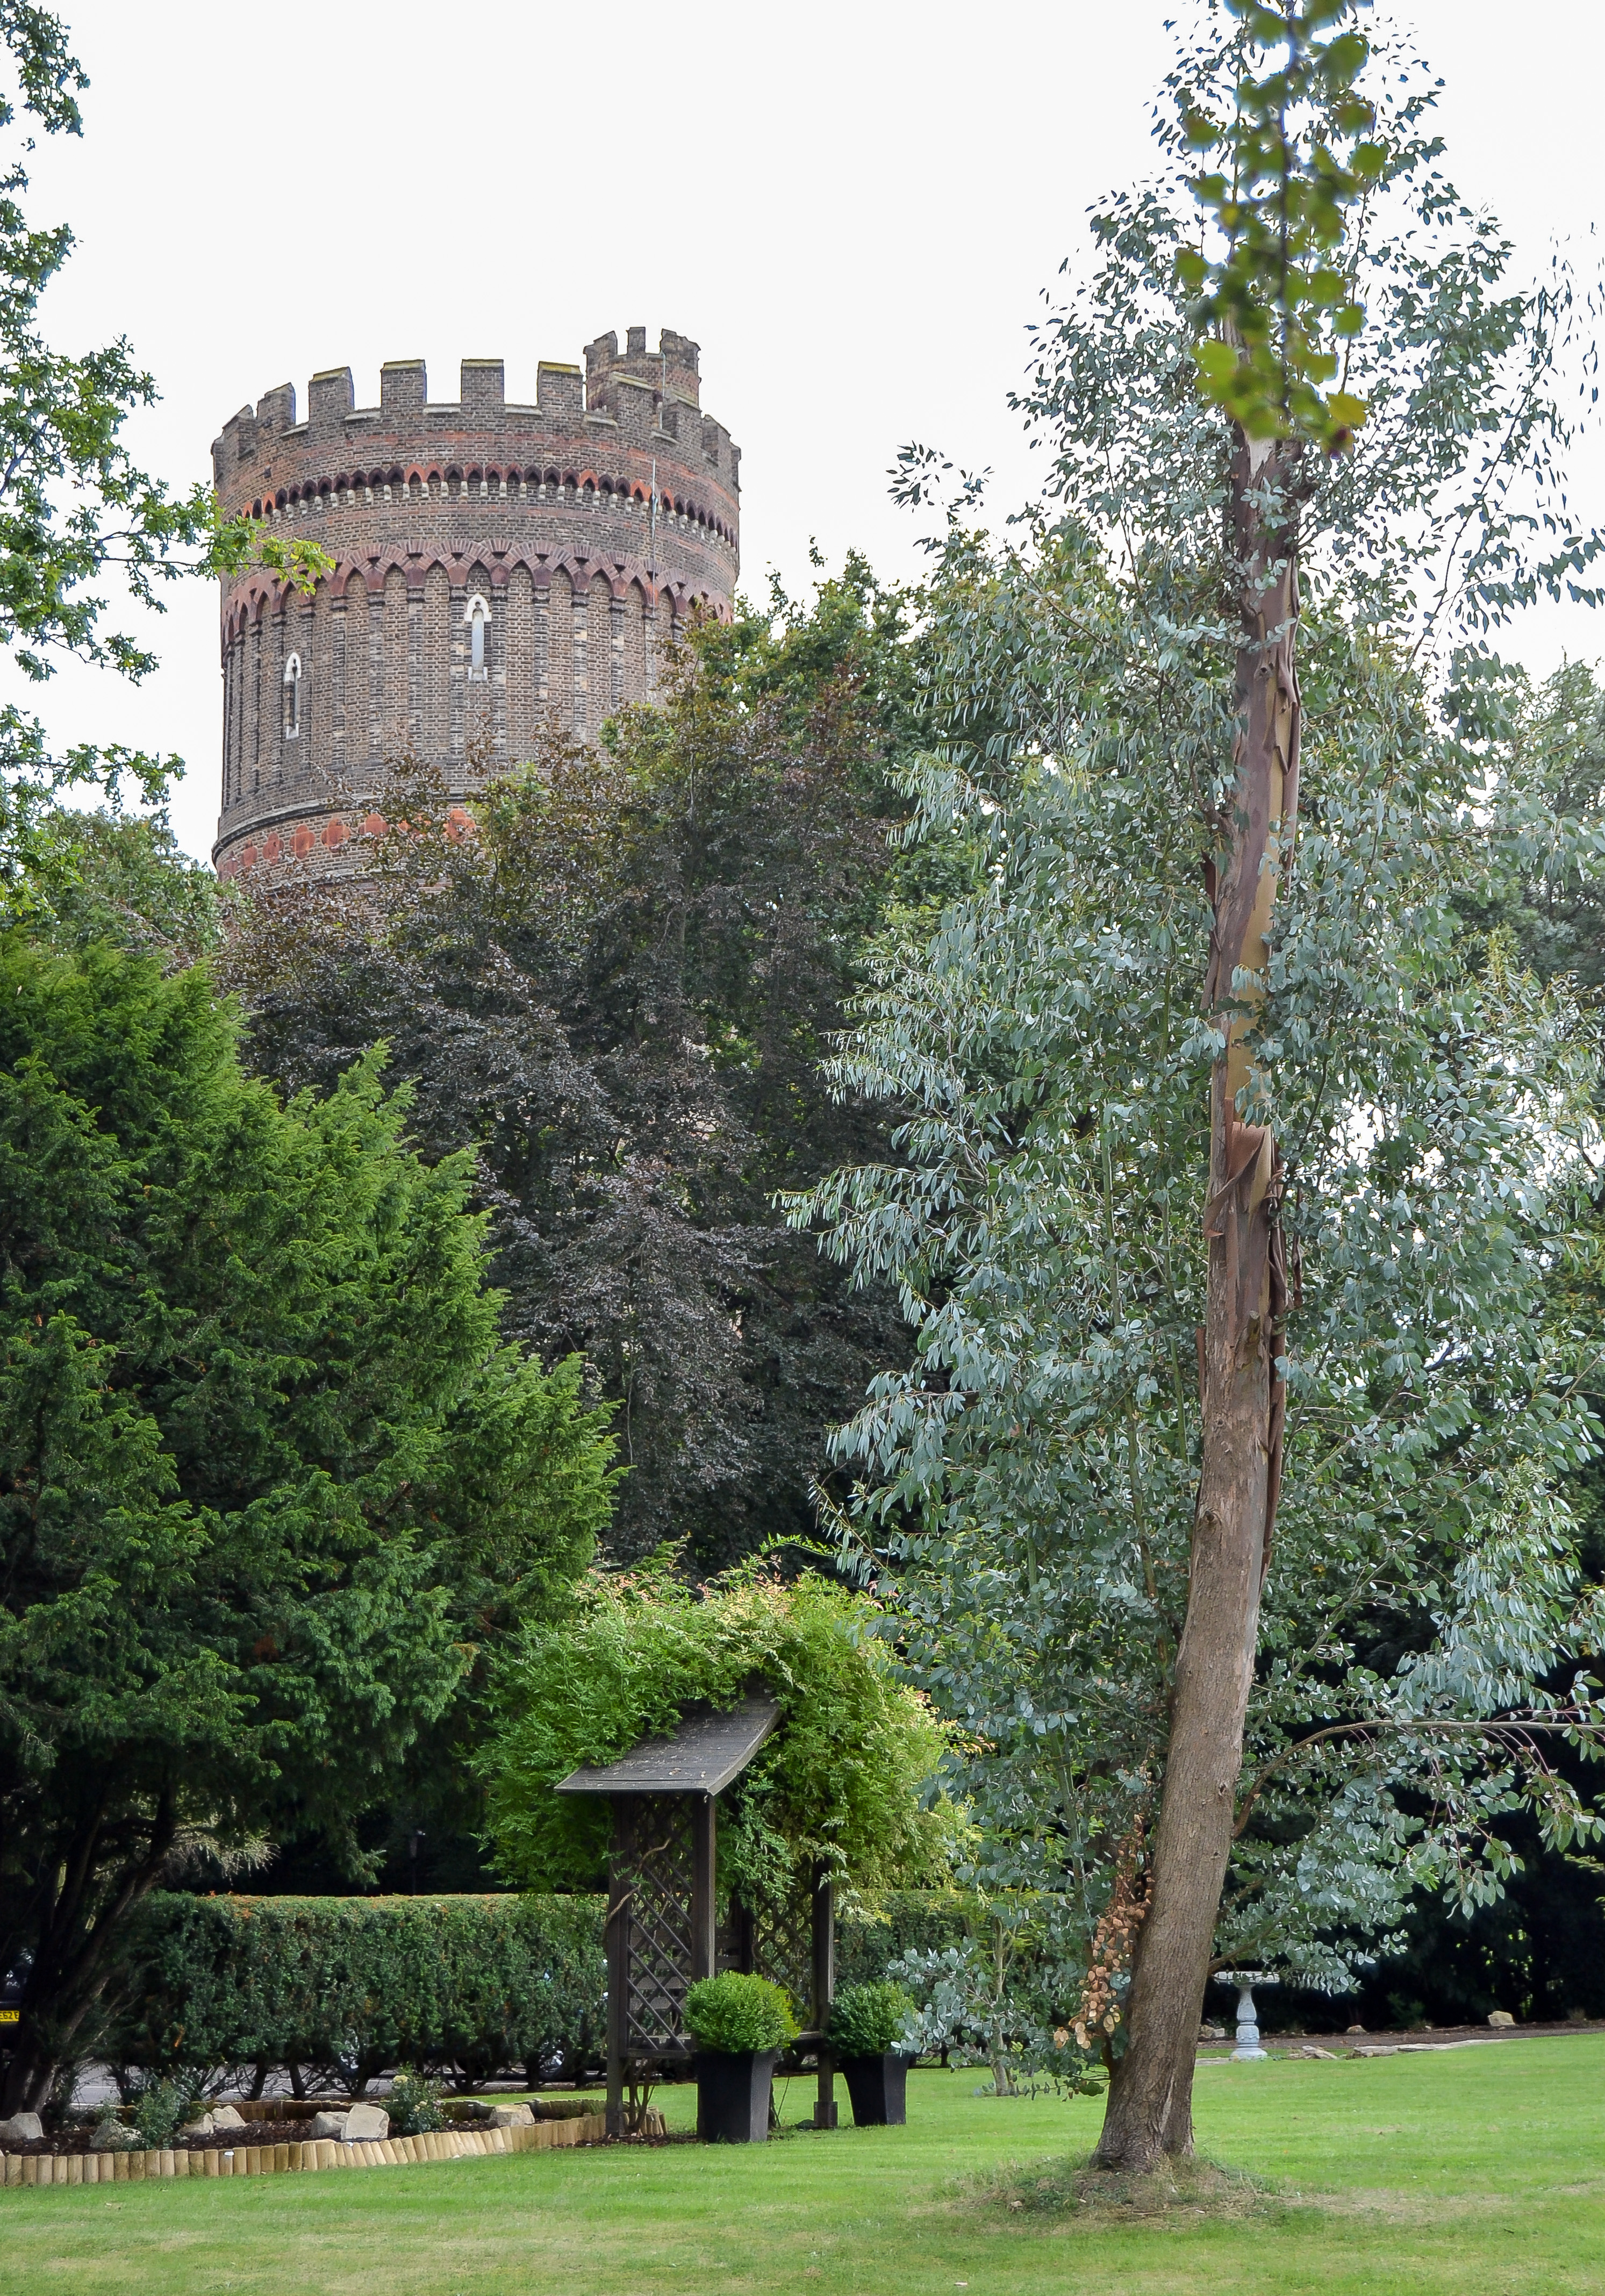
(293, 698)
(476, 618)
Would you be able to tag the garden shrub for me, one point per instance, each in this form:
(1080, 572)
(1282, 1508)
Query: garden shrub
(161, 2109)
(414, 2105)
(866, 2021)
(734, 2013)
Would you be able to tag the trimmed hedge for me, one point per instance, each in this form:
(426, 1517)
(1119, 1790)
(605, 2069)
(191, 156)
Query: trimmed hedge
(351, 1986)
(912, 1920)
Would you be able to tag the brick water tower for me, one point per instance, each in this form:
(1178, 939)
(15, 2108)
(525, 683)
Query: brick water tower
(499, 568)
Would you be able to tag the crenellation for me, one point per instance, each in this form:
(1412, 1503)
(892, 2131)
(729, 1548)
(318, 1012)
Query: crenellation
(483, 393)
(716, 443)
(602, 357)
(330, 399)
(275, 409)
(681, 369)
(559, 393)
(635, 403)
(238, 443)
(542, 513)
(403, 389)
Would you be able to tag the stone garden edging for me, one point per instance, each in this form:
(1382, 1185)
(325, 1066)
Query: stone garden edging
(310, 2153)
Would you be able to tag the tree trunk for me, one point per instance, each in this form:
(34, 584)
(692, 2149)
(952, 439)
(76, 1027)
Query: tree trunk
(72, 1950)
(1149, 2111)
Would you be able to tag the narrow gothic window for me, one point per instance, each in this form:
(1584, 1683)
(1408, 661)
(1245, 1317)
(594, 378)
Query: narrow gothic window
(478, 615)
(292, 697)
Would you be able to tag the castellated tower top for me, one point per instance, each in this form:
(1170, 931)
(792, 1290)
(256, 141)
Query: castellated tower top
(500, 567)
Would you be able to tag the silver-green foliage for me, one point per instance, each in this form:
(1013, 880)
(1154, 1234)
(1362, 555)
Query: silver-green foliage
(1029, 1480)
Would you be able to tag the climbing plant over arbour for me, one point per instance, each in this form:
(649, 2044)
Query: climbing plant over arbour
(850, 1778)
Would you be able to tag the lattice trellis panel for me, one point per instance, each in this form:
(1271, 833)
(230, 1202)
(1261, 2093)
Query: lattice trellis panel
(659, 1945)
(783, 1950)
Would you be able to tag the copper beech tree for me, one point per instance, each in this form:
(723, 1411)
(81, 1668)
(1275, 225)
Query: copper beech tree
(1221, 1503)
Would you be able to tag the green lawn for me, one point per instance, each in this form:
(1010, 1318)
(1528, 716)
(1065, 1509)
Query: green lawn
(1476, 2172)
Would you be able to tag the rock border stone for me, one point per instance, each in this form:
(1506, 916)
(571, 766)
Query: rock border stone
(313, 2153)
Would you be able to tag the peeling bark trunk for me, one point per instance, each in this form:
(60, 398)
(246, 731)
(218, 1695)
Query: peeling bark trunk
(1149, 2111)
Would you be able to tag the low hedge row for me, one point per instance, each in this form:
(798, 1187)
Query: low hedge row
(908, 1921)
(350, 1987)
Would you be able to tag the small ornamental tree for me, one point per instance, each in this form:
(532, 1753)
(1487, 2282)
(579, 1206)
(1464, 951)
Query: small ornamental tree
(272, 1486)
(1234, 1171)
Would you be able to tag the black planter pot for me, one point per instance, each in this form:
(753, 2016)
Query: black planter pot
(879, 2088)
(733, 2096)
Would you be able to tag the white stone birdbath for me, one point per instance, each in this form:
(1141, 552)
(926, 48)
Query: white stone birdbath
(1248, 2050)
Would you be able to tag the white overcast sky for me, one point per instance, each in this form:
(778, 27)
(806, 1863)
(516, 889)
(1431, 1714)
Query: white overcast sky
(854, 206)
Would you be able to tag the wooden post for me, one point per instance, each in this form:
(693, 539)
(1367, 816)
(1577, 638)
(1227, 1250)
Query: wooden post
(704, 1887)
(824, 1992)
(618, 1957)
(742, 1944)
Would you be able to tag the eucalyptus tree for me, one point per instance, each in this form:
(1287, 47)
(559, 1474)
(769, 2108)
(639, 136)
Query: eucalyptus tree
(1231, 1171)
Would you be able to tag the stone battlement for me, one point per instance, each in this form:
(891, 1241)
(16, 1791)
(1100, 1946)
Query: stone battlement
(650, 400)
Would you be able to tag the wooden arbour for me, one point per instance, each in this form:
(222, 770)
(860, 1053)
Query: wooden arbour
(663, 1930)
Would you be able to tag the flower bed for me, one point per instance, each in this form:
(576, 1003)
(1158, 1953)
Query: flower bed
(276, 2156)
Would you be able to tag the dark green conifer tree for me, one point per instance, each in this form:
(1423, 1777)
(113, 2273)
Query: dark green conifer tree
(273, 1484)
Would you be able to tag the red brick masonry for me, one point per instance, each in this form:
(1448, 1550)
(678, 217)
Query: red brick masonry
(498, 568)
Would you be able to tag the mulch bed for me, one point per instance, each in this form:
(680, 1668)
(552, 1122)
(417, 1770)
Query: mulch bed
(291, 2128)
(75, 2139)
(66, 2165)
